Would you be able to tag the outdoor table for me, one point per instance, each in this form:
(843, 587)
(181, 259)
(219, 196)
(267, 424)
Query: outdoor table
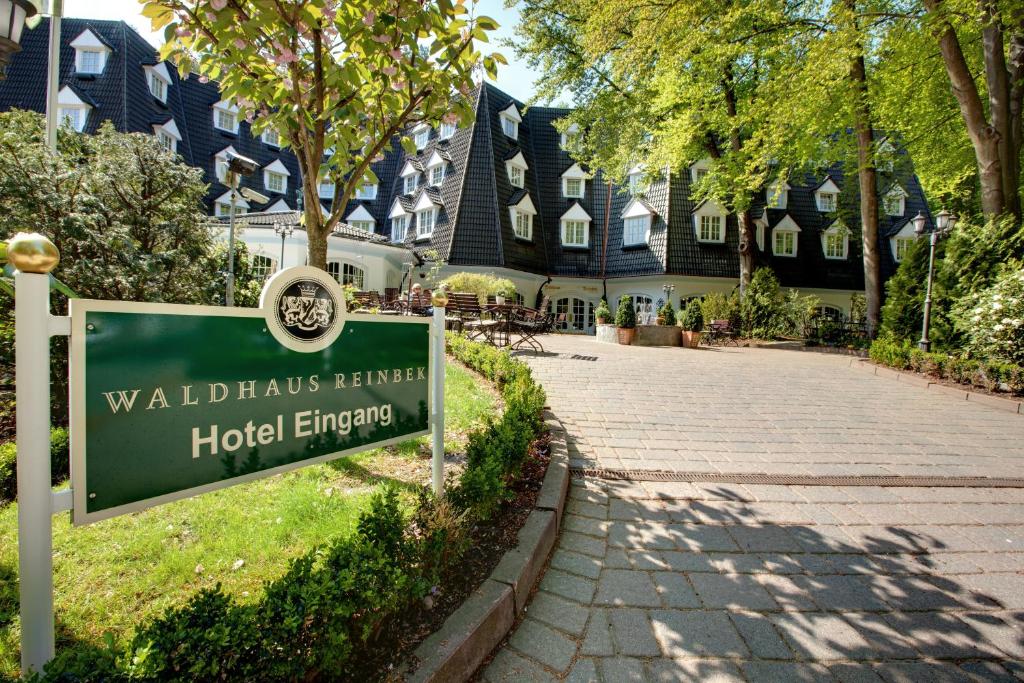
(503, 314)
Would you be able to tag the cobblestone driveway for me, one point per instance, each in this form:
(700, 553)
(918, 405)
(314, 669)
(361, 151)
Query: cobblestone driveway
(663, 581)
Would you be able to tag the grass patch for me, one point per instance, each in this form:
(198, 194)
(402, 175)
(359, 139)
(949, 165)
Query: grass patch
(114, 574)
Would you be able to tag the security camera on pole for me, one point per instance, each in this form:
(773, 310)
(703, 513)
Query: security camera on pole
(237, 166)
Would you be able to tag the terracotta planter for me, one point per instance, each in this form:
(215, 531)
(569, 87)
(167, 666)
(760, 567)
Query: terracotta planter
(602, 321)
(626, 335)
(691, 339)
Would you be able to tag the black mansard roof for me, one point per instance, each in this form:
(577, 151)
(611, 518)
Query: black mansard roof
(473, 220)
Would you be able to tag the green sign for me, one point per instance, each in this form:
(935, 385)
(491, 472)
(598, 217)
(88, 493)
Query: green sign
(170, 401)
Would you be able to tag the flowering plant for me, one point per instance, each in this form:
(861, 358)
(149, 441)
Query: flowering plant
(993, 319)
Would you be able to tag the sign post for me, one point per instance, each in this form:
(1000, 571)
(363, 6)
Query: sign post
(171, 401)
(34, 257)
(439, 299)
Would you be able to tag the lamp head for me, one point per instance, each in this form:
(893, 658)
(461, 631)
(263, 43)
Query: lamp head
(919, 222)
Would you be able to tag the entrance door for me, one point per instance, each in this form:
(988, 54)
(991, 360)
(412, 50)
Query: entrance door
(573, 314)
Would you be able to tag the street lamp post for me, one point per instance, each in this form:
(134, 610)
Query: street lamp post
(944, 223)
(284, 231)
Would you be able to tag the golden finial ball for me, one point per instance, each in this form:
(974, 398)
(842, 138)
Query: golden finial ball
(439, 298)
(32, 253)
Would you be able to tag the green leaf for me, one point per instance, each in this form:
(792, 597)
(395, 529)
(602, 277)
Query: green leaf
(59, 286)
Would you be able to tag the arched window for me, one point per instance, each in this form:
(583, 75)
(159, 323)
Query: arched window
(262, 266)
(643, 305)
(347, 274)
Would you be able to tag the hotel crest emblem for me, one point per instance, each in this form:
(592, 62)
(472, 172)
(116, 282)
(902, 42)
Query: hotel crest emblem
(304, 308)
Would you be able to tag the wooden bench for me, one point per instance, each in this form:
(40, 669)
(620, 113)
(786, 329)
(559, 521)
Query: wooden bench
(719, 332)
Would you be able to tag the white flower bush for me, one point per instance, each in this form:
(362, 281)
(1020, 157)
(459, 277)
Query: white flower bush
(993, 319)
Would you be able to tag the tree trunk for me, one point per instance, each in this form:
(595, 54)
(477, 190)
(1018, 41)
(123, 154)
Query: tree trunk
(316, 230)
(998, 81)
(984, 138)
(867, 177)
(747, 241)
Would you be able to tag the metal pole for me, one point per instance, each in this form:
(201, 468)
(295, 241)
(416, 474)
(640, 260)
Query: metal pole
(437, 399)
(284, 235)
(53, 77)
(230, 296)
(925, 344)
(35, 534)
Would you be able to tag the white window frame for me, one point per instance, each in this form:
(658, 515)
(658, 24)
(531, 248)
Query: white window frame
(275, 182)
(89, 61)
(421, 136)
(636, 230)
(399, 227)
(522, 224)
(364, 225)
(87, 42)
(158, 87)
(447, 130)
(410, 183)
(699, 169)
(901, 245)
(326, 189)
(271, 137)
(223, 108)
(637, 184)
(422, 234)
(74, 117)
(900, 198)
(516, 175)
(836, 232)
(710, 228)
(777, 195)
(367, 191)
(510, 127)
(786, 236)
(826, 201)
(567, 193)
(576, 225)
(166, 140)
(435, 178)
(262, 266)
(564, 138)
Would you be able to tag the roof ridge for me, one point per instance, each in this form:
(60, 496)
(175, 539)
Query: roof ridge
(540, 200)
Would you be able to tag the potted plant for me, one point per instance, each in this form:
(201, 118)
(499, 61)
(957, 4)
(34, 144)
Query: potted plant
(667, 314)
(691, 319)
(625, 320)
(603, 313)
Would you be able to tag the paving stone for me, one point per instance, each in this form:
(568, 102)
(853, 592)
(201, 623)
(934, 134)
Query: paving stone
(568, 586)
(544, 644)
(598, 640)
(688, 562)
(885, 641)
(842, 592)
(580, 543)
(764, 539)
(1004, 630)
(1006, 590)
(647, 560)
(576, 563)
(941, 635)
(849, 672)
(989, 671)
(567, 616)
(820, 635)
(787, 672)
(694, 671)
(616, 558)
(914, 672)
(628, 588)
(736, 591)
(649, 536)
(586, 509)
(623, 670)
(583, 671)
(760, 635)
(697, 634)
(632, 633)
(675, 590)
(703, 538)
(509, 667)
(585, 525)
(736, 563)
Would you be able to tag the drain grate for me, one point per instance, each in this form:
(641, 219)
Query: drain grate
(577, 356)
(799, 479)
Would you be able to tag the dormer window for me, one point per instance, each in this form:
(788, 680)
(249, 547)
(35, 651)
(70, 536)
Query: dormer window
(90, 53)
(421, 135)
(575, 224)
(522, 213)
(275, 177)
(777, 194)
(516, 168)
(700, 170)
(835, 242)
(225, 116)
(222, 205)
(566, 137)
(709, 222)
(574, 182)
(220, 163)
(360, 219)
(167, 135)
(326, 189)
(895, 201)
(426, 216)
(902, 242)
(637, 180)
(510, 120)
(784, 237)
(435, 169)
(159, 81)
(447, 130)
(636, 223)
(367, 191)
(271, 137)
(886, 156)
(410, 178)
(399, 221)
(72, 111)
(827, 196)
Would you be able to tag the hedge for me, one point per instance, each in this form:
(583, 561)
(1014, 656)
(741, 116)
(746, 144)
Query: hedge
(336, 598)
(987, 374)
(60, 448)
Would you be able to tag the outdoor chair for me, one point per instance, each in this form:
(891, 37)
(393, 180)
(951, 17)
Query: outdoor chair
(414, 304)
(466, 307)
(719, 332)
(364, 301)
(528, 323)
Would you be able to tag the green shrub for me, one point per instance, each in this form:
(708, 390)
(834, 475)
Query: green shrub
(717, 306)
(60, 468)
(691, 318)
(603, 312)
(992, 321)
(625, 316)
(891, 352)
(481, 284)
(764, 309)
(667, 314)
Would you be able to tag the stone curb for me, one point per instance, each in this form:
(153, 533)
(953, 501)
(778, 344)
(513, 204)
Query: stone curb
(467, 637)
(1006, 404)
